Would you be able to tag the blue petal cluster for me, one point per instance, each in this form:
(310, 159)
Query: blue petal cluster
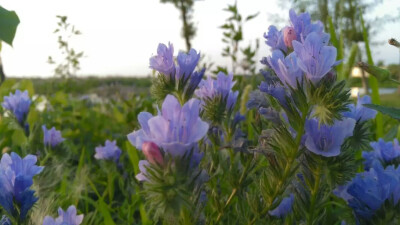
(222, 86)
(109, 151)
(284, 207)
(312, 56)
(16, 178)
(370, 189)
(286, 68)
(176, 130)
(18, 104)
(51, 137)
(360, 112)
(326, 140)
(383, 152)
(68, 217)
(164, 63)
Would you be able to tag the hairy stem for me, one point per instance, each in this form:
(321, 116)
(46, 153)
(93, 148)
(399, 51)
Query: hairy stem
(280, 189)
(314, 192)
(234, 190)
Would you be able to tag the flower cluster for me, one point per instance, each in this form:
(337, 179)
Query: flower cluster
(181, 77)
(16, 178)
(176, 129)
(312, 56)
(68, 217)
(51, 137)
(383, 152)
(220, 88)
(110, 151)
(18, 103)
(368, 191)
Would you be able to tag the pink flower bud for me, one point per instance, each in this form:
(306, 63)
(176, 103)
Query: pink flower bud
(289, 34)
(152, 153)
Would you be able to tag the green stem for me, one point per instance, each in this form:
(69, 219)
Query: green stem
(373, 82)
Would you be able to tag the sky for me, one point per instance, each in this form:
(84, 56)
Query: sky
(119, 36)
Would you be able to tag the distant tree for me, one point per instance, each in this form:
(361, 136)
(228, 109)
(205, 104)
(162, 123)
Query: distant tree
(188, 28)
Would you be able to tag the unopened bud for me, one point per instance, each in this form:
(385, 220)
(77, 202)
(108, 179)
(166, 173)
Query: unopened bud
(289, 34)
(152, 153)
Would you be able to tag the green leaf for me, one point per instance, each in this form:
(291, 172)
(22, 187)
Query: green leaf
(102, 207)
(8, 23)
(250, 17)
(392, 112)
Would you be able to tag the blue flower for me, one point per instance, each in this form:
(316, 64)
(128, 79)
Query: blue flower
(326, 140)
(383, 151)
(18, 104)
(370, 189)
(275, 39)
(275, 90)
(16, 176)
(51, 137)
(68, 217)
(284, 207)
(314, 57)
(286, 68)
(187, 63)
(109, 151)
(176, 129)
(163, 62)
(360, 112)
(222, 87)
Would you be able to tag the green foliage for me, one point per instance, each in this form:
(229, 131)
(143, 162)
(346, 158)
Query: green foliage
(233, 35)
(70, 65)
(8, 22)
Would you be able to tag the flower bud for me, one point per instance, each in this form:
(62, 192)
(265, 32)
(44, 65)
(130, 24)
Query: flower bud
(289, 34)
(152, 153)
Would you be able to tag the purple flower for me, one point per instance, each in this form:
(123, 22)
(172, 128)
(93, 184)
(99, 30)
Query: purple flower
(16, 176)
(359, 112)
(303, 27)
(163, 62)
(187, 63)
(18, 104)
(284, 207)
(314, 57)
(222, 86)
(176, 129)
(68, 217)
(275, 39)
(51, 137)
(383, 151)
(109, 151)
(286, 68)
(326, 140)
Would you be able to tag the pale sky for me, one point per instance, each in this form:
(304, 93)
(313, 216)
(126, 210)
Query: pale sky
(119, 36)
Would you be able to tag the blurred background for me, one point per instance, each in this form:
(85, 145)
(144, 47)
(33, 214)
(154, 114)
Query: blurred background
(104, 42)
